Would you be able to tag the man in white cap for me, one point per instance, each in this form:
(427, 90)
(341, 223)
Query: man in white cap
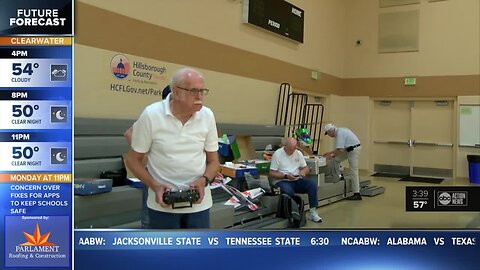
(347, 146)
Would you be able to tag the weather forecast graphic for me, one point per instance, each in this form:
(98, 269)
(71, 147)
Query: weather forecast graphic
(36, 133)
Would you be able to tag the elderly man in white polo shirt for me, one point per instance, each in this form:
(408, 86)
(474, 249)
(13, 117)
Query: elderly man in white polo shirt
(347, 146)
(289, 171)
(179, 137)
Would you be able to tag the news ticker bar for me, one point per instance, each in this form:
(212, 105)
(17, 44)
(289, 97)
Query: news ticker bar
(442, 198)
(139, 240)
(108, 249)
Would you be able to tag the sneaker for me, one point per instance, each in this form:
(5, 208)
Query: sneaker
(355, 197)
(314, 217)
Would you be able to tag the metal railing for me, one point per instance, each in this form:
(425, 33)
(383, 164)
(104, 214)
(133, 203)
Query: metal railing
(294, 112)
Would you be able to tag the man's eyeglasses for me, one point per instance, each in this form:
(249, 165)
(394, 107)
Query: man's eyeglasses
(195, 91)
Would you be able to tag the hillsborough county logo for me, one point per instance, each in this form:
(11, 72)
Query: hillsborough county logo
(120, 66)
(37, 241)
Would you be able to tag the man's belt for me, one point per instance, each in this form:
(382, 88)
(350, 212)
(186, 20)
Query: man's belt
(350, 148)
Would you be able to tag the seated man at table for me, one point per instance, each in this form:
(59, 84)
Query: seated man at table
(288, 169)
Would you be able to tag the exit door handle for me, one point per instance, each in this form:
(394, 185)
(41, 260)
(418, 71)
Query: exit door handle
(390, 142)
(411, 143)
(434, 144)
(425, 143)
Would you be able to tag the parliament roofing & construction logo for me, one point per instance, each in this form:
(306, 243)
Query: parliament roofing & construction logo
(32, 245)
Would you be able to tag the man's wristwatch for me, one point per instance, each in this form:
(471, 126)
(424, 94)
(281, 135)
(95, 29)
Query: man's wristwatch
(207, 180)
(285, 176)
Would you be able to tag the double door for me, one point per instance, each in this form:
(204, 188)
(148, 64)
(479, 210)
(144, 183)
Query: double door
(414, 137)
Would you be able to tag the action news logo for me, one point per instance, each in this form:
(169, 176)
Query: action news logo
(452, 198)
(30, 244)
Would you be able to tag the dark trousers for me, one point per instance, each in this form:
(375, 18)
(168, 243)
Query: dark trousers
(303, 185)
(163, 220)
(144, 216)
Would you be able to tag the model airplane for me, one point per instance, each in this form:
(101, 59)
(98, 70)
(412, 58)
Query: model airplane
(238, 199)
(303, 136)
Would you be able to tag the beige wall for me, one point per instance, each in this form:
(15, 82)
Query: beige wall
(93, 78)
(221, 21)
(449, 38)
(353, 113)
(449, 41)
(330, 34)
(231, 97)
(244, 65)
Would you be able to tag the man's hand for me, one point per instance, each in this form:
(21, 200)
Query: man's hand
(328, 155)
(159, 190)
(291, 177)
(199, 186)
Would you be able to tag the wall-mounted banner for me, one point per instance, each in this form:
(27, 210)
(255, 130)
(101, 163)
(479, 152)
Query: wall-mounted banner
(133, 75)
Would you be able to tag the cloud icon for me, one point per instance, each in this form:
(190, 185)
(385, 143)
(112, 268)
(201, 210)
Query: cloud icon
(59, 73)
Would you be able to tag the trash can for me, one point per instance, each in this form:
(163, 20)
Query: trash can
(474, 168)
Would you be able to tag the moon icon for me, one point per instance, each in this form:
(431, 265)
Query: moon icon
(59, 116)
(58, 157)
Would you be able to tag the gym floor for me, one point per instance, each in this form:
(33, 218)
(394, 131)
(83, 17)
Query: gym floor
(387, 210)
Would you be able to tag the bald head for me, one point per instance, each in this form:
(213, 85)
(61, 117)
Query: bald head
(290, 146)
(185, 76)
